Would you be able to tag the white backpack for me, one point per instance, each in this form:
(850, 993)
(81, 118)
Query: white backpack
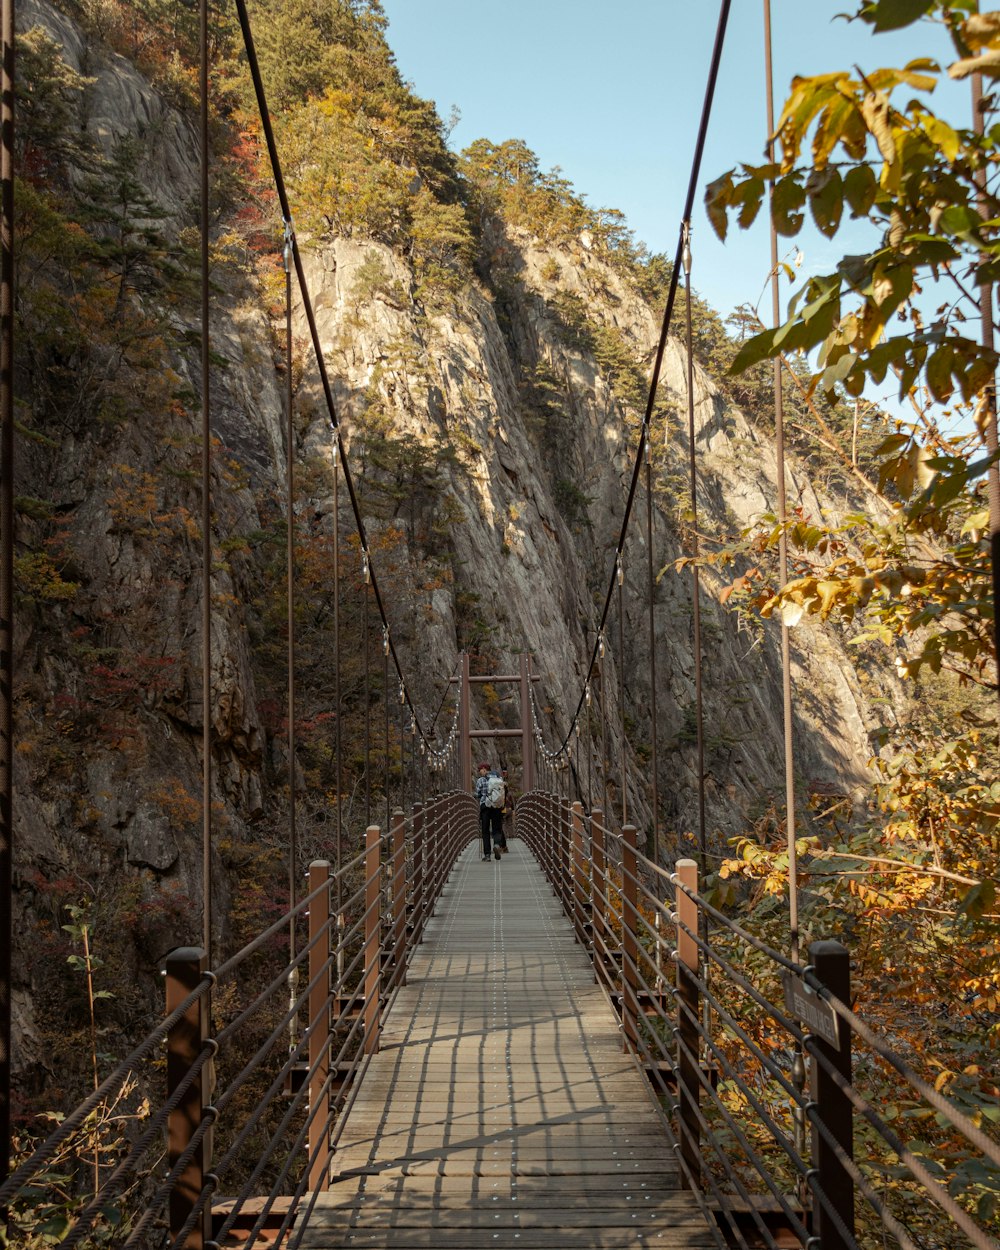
(494, 791)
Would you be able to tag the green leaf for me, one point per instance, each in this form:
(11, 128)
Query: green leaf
(938, 372)
(749, 196)
(948, 487)
(825, 189)
(894, 14)
(960, 220)
(718, 197)
(786, 204)
(892, 444)
(928, 249)
(55, 1226)
(753, 351)
(860, 189)
(838, 371)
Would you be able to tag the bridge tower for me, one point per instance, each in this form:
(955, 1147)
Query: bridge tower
(524, 677)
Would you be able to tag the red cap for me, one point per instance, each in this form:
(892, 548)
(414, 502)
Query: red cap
(485, 765)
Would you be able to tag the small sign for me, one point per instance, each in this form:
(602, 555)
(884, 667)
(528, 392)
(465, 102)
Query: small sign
(805, 1004)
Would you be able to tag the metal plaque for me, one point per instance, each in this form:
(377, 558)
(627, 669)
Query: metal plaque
(806, 1005)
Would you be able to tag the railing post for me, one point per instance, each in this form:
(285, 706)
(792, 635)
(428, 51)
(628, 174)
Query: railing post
(630, 940)
(579, 873)
(832, 965)
(416, 907)
(688, 1049)
(319, 1022)
(399, 896)
(566, 859)
(562, 853)
(185, 968)
(598, 893)
(432, 835)
(373, 936)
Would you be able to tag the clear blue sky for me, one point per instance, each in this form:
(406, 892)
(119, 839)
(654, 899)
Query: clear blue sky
(611, 93)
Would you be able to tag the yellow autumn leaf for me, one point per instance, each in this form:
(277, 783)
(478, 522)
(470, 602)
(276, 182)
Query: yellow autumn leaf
(828, 593)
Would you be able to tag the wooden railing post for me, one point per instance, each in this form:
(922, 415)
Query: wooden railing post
(630, 939)
(598, 893)
(399, 896)
(579, 872)
(416, 903)
(568, 886)
(373, 936)
(832, 965)
(433, 833)
(319, 1021)
(185, 968)
(688, 1049)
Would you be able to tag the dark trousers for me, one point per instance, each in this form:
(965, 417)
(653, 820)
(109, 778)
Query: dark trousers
(485, 827)
(491, 827)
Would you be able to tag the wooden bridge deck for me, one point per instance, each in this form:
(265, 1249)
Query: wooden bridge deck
(500, 1110)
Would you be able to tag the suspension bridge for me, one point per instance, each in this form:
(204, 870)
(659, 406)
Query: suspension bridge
(568, 1046)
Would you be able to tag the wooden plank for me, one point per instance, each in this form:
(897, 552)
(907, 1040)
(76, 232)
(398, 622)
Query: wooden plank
(680, 1234)
(500, 1110)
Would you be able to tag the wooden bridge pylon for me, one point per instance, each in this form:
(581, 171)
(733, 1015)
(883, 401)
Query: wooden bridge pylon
(524, 677)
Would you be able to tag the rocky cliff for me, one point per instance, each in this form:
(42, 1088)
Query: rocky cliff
(492, 451)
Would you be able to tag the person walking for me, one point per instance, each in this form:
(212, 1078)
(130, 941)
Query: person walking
(485, 818)
(506, 826)
(496, 798)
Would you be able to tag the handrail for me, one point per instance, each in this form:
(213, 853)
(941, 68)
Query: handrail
(721, 1053)
(357, 961)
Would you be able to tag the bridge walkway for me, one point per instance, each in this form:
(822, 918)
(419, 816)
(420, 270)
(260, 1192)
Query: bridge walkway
(500, 1110)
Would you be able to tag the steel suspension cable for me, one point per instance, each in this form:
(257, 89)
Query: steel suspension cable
(798, 1063)
(6, 571)
(620, 577)
(368, 707)
(992, 437)
(651, 590)
(604, 738)
(206, 508)
(290, 597)
(779, 449)
(337, 734)
(695, 174)
(385, 700)
(307, 308)
(699, 712)
(401, 749)
(590, 746)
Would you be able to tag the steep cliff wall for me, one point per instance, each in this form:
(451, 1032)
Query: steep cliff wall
(542, 514)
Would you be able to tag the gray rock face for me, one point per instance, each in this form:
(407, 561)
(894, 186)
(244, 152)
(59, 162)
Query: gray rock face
(541, 575)
(120, 103)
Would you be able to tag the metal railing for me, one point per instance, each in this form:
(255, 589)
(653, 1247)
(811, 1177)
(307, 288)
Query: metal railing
(790, 1119)
(262, 1055)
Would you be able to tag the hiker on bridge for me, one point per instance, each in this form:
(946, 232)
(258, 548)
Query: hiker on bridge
(507, 815)
(490, 793)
